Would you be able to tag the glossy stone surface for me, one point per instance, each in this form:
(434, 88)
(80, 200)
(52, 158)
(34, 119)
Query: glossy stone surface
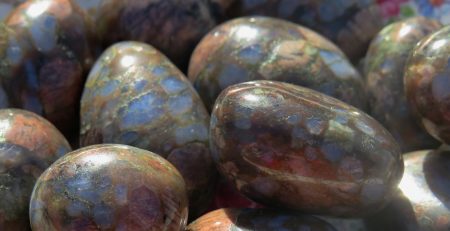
(351, 24)
(427, 83)
(28, 145)
(423, 199)
(172, 26)
(261, 48)
(257, 220)
(109, 187)
(385, 64)
(287, 146)
(46, 50)
(6, 6)
(134, 95)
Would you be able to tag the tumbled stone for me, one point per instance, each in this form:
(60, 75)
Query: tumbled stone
(134, 95)
(109, 187)
(287, 146)
(427, 83)
(28, 145)
(385, 64)
(261, 48)
(46, 49)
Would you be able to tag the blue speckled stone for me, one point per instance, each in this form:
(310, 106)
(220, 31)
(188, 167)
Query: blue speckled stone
(135, 96)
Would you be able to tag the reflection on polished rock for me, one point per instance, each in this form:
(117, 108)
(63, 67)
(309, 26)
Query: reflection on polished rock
(423, 199)
(385, 64)
(109, 187)
(287, 146)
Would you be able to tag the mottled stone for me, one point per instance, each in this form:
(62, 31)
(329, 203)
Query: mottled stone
(46, 49)
(349, 23)
(6, 6)
(303, 150)
(385, 64)
(134, 95)
(109, 187)
(172, 26)
(257, 220)
(28, 145)
(427, 83)
(423, 200)
(261, 48)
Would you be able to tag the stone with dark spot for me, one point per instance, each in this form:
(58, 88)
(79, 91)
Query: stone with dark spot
(28, 145)
(262, 48)
(319, 163)
(109, 187)
(134, 95)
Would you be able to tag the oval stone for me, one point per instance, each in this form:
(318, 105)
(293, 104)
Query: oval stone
(109, 187)
(287, 146)
(427, 83)
(257, 219)
(134, 95)
(28, 145)
(262, 48)
(385, 64)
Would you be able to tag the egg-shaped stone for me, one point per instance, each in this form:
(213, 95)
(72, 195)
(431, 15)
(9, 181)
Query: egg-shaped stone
(134, 95)
(109, 187)
(28, 145)
(256, 220)
(427, 83)
(46, 49)
(262, 48)
(172, 26)
(423, 201)
(384, 67)
(287, 146)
